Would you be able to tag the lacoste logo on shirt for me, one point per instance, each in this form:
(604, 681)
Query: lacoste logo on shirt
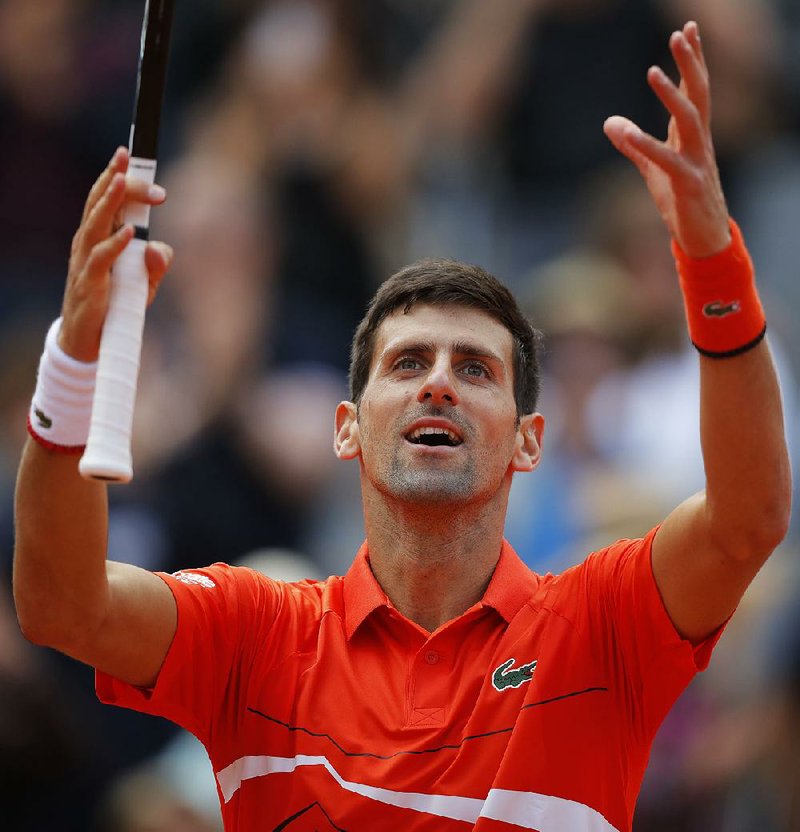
(718, 309)
(504, 677)
(193, 578)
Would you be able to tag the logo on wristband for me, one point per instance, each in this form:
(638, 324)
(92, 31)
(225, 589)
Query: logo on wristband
(718, 309)
(44, 420)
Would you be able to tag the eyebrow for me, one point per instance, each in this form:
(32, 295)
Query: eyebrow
(463, 348)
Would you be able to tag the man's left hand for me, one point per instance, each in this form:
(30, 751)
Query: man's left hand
(681, 173)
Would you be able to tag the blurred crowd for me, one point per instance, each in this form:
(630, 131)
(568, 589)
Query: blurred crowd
(310, 148)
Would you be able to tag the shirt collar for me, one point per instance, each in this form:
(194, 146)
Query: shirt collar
(511, 585)
(362, 592)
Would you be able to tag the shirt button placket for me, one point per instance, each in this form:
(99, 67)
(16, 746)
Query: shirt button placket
(428, 710)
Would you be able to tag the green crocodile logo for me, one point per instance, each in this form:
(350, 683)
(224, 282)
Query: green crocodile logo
(44, 420)
(718, 309)
(504, 677)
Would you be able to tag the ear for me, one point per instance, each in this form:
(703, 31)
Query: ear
(347, 442)
(528, 448)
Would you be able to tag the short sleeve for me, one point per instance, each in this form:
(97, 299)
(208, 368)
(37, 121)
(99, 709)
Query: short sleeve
(653, 662)
(220, 609)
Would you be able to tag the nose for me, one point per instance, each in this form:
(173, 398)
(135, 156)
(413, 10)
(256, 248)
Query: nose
(438, 386)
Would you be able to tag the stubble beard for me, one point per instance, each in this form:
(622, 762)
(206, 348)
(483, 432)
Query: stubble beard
(430, 485)
(432, 482)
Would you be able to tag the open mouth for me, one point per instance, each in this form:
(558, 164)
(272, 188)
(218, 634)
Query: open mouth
(434, 437)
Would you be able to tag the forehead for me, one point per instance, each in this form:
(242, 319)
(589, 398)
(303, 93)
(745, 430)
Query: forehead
(444, 326)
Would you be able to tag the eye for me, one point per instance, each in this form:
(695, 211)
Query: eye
(406, 363)
(476, 370)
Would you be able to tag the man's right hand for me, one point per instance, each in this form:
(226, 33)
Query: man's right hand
(67, 595)
(99, 240)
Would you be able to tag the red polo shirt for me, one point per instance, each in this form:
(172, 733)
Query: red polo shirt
(323, 708)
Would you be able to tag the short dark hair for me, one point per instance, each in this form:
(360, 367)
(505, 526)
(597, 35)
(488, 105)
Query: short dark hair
(440, 282)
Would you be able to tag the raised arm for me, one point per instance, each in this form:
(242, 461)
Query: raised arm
(710, 548)
(113, 616)
(464, 75)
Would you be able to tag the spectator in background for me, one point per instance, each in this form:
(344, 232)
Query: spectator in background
(67, 78)
(584, 305)
(222, 479)
(141, 802)
(44, 160)
(42, 749)
(629, 230)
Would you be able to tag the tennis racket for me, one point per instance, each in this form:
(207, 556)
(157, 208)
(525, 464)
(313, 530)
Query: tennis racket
(108, 448)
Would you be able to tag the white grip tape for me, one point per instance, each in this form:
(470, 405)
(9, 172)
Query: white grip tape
(108, 448)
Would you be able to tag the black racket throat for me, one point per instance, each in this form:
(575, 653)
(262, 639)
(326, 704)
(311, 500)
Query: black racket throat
(153, 59)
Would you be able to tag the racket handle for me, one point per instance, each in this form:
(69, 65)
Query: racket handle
(108, 448)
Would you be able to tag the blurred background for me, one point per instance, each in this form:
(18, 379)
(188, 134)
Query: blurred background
(310, 148)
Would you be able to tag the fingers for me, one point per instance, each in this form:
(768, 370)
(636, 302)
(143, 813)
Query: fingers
(681, 172)
(157, 259)
(642, 149)
(103, 211)
(620, 131)
(641, 145)
(86, 298)
(108, 205)
(688, 105)
(137, 190)
(688, 54)
(692, 32)
(617, 128)
(100, 221)
(104, 254)
(98, 243)
(118, 164)
(688, 125)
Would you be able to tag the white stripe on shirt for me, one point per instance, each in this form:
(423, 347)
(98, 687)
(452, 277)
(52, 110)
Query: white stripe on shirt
(528, 810)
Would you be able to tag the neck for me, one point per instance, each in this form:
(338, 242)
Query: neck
(433, 562)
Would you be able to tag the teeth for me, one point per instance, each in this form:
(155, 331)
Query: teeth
(416, 434)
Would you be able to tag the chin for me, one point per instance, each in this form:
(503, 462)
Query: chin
(432, 487)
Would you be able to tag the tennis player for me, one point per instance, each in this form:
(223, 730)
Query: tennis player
(440, 684)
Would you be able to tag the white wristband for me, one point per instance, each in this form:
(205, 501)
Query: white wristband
(62, 402)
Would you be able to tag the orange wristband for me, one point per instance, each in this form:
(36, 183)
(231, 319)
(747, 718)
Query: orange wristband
(722, 306)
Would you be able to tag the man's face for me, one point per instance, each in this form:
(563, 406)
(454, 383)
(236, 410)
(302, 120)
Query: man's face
(437, 421)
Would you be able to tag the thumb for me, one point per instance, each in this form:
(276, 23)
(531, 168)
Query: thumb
(158, 258)
(619, 131)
